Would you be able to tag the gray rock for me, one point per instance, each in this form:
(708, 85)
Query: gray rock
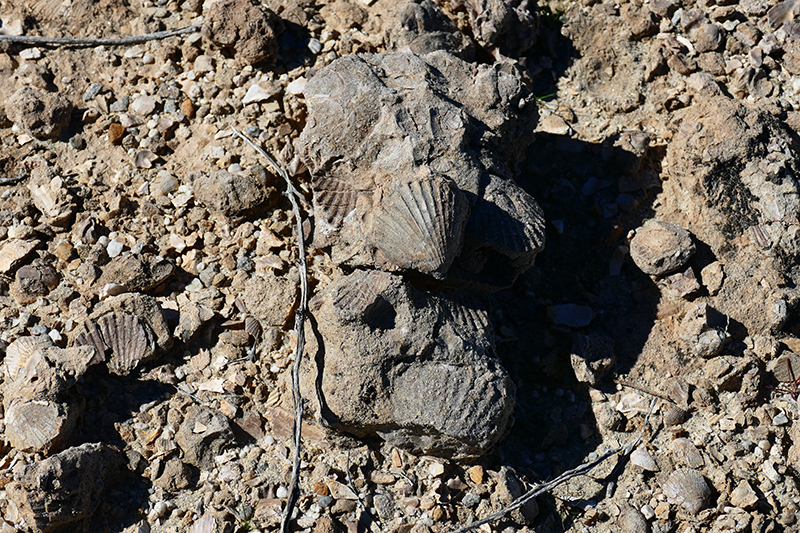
(422, 142)
(271, 298)
(507, 26)
(420, 26)
(64, 490)
(592, 357)
(659, 247)
(137, 272)
(142, 306)
(405, 364)
(203, 435)
(43, 115)
(244, 27)
(704, 330)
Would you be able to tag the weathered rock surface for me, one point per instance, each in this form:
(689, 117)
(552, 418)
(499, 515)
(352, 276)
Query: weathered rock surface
(659, 248)
(401, 140)
(732, 183)
(44, 115)
(245, 28)
(233, 195)
(58, 493)
(137, 272)
(414, 367)
(421, 27)
(509, 27)
(203, 435)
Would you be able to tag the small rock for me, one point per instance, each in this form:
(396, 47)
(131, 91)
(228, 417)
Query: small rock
(704, 330)
(744, 496)
(687, 488)
(570, 315)
(228, 194)
(137, 272)
(43, 115)
(260, 92)
(592, 357)
(476, 474)
(642, 458)
(247, 27)
(143, 105)
(203, 435)
(115, 133)
(508, 489)
(631, 520)
(713, 277)
(13, 252)
(659, 248)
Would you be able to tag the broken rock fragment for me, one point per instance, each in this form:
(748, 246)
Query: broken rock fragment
(411, 366)
(203, 435)
(62, 491)
(244, 28)
(43, 115)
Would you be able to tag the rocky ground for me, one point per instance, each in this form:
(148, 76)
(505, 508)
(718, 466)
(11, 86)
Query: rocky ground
(478, 342)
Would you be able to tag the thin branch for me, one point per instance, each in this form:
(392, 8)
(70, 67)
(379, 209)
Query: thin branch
(299, 329)
(79, 41)
(542, 488)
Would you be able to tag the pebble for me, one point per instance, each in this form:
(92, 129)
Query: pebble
(570, 315)
(114, 248)
(281, 492)
(744, 496)
(92, 90)
(476, 474)
(659, 247)
(780, 419)
(30, 53)
(143, 105)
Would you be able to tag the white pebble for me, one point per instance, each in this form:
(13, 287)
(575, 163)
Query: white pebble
(282, 492)
(54, 334)
(114, 248)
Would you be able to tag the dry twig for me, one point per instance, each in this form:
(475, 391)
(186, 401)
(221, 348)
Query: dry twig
(299, 328)
(80, 41)
(542, 488)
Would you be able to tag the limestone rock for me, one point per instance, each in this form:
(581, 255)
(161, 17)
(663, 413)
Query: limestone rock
(64, 490)
(43, 115)
(231, 195)
(435, 128)
(203, 435)
(245, 28)
(405, 364)
(659, 247)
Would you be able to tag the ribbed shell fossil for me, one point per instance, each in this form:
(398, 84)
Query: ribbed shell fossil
(355, 300)
(128, 339)
(674, 415)
(419, 225)
(687, 488)
(631, 520)
(253, 327)
(335, 199)
(36, 425)
(20, 352)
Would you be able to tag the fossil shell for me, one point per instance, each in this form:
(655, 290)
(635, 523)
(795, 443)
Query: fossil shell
(631, 520)
(253, 327)
(419, 225)
(687, 452)
(20, 352)
(674, 415)
(167, 183)
(360, 295)
(677, 390)
(91, 336)
(129, 339)
(334, 199)
(37, 425)
(687, 488)
(467, 315)
(641, 457)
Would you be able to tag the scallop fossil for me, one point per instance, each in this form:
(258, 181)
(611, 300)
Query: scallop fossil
(253, 327)
(687, 488)
(419, 224)
(631, 520)
(675, 415)
(361, 295)
(20, 352)
(37, 425)
(334, 199)
(128, 339)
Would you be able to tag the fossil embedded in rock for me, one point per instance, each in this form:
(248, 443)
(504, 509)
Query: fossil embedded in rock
(127, 339)
(419, 224)
(20, 352)
(687, 488)
(355, 299)
(38, 425)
